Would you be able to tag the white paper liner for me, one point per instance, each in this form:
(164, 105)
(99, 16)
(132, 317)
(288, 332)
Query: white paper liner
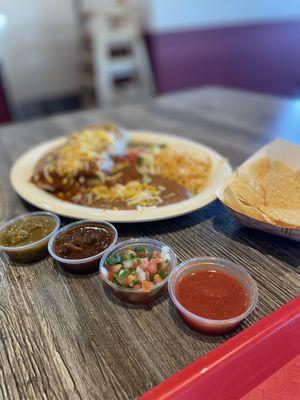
(279, 150)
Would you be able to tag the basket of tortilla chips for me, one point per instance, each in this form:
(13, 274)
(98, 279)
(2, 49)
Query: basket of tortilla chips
(264, 192)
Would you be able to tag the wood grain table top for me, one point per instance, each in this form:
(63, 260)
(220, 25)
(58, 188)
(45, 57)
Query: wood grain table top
(67, 337)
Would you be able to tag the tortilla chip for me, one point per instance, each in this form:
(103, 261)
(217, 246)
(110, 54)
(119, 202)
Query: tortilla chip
(268, 191)
(231, 198)
(282, 190)
(283, 216)
(280, 168)
(248, 190)
(261, 167)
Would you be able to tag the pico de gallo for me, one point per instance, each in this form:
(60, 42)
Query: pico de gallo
(138, 267)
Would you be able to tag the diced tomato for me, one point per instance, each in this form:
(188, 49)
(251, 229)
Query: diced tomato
(146, 286)
(110, 275)
(132, 158)
(141, 149)
(131, 279)
(144, 264)
(158, 260)
(152, 268)
(137, 286)
(157, 278)
(116, 268)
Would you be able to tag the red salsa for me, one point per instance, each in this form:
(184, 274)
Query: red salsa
(212, 294)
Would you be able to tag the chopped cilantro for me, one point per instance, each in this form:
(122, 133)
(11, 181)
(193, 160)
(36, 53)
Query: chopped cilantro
(114, 259)
(140, 161)
(140, 249)
(124, 274)
(132, 271)
(163, 273)
(128, 256)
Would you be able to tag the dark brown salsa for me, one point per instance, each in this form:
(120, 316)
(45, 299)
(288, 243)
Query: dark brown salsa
(83, 241)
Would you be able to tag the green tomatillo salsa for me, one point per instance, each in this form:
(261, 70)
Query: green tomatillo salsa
(26, 231)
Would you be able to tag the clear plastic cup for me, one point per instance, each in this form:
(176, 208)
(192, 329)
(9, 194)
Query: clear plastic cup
(82, 265)
(211, 326)
(33, 251)
(134, 295)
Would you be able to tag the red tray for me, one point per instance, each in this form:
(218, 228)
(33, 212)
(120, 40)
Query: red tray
(259, 363)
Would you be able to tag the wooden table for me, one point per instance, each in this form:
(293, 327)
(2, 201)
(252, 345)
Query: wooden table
(67, 337)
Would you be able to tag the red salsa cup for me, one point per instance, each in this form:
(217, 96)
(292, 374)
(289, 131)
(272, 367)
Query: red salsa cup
(232, 273)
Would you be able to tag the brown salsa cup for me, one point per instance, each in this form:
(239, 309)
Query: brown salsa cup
(84, 265)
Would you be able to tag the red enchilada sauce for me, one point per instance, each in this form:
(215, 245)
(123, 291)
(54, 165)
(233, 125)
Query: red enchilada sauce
(212, 294)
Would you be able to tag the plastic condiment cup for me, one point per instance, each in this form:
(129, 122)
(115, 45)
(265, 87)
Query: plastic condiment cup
(33, 251)
(137, 295)
(205, 325)
(82, 265)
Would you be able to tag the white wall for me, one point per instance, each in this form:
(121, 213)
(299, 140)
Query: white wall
(182, 14)
(39, 44)
(39, 48)
(144, 8)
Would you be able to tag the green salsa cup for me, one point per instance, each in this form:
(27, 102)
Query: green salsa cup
(34, 250)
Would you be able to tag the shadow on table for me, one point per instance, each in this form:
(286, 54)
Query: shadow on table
(69, 275)
(215, 340)
(166, 226)
(146, 306)
(15, 264)
(285, 250)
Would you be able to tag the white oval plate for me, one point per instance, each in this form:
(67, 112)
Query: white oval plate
(22, 170)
